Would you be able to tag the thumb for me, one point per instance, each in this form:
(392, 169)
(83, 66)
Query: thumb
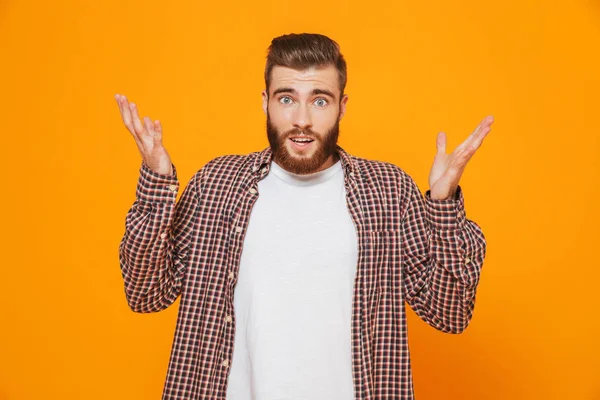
(441, 143)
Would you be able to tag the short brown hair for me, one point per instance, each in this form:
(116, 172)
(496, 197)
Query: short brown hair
(301, 51)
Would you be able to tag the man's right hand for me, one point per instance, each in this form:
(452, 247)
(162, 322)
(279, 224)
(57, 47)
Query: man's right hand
(148, 137)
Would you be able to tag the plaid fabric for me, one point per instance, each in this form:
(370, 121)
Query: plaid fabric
(412, 249)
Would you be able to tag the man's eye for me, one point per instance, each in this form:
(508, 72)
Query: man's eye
(285, 100)
(321, 102)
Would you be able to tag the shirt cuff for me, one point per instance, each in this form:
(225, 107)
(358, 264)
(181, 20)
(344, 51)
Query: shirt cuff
(446, 214)
(154, 187)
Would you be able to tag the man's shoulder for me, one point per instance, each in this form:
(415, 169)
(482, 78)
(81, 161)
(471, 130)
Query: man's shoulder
(386, 180)
(229, 162)
(226, 166)
(377, 169)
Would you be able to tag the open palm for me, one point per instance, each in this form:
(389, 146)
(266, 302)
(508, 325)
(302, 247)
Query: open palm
(147, 136)
(448, 168)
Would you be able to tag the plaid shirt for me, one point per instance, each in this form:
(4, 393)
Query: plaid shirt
(411, 249)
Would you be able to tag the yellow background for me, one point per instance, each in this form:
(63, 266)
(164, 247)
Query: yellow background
(415, 68)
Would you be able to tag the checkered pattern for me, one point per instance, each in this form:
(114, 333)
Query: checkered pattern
(412, 249)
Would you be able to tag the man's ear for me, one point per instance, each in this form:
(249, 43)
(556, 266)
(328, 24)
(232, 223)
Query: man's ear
(265, 101)
(343, 105)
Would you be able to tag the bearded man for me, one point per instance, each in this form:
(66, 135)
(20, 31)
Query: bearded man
(321, 248)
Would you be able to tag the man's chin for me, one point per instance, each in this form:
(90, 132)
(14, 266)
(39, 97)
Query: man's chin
(298, 162)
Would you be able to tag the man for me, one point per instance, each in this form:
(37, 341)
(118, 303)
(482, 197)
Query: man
(321, 248)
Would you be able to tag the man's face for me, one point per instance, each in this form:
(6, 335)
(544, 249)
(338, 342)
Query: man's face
(303, 111)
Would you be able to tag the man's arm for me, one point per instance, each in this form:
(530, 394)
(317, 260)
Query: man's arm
(442, 257)
(155, 249)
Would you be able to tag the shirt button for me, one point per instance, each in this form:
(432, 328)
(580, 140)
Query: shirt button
(231, 275)
(163, 235)
(228, 318)
(253, 191)
(173, 188)
(239, 229)
(254, 169)
(225, 363)
(467, 260)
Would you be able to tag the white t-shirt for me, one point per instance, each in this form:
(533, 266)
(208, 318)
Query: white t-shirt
(293, 297)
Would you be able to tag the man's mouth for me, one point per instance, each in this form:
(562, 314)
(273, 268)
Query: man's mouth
(301, 142)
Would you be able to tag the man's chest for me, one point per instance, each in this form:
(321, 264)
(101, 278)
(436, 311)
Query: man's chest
(297, 233)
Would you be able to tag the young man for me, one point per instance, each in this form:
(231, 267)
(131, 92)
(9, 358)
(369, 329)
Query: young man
(322, 249)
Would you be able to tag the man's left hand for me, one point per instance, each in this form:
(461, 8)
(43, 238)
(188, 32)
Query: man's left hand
(448, 168)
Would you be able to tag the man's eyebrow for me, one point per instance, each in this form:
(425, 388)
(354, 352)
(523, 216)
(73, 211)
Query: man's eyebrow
(323, 91)
(314, 92)
(284, 90)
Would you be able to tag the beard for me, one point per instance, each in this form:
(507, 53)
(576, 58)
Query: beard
(326, 145)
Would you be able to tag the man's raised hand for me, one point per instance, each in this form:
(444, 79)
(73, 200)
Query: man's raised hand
(448, 168)
(147, 136)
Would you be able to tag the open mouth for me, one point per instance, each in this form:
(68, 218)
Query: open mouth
(301, 142)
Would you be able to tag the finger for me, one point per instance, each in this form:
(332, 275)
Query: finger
(441, 143)
(150, 128)
(119, 99)
(467, 149)
(158, 129)
(466, 156)
(473, 139)
(482, 129)
(137, 123)
(461, 161)
(138, 142)
(466, 142)
(477, 140)
(126, 114)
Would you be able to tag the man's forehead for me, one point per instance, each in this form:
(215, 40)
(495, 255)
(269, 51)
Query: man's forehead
(305, 80)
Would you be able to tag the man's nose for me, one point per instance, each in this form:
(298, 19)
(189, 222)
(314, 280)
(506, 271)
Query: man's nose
(302, 119)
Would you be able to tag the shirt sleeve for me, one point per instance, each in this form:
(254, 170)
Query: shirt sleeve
(156, 245)
(442, 257)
